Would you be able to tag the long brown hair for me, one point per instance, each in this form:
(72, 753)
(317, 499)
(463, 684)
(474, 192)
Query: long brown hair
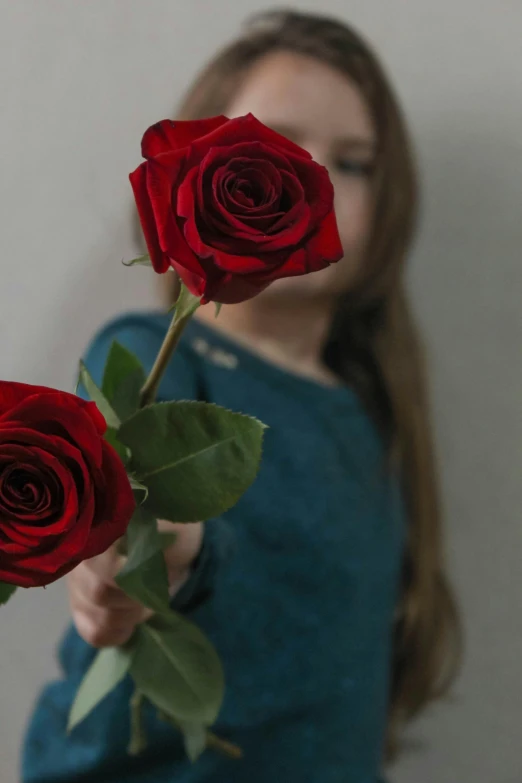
(374, 343)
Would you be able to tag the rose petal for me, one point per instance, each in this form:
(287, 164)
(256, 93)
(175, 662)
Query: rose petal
(114, 507)
(12, 393)
(77, 463)
(58, 481)
(16, 526)
(39, 499)
(196, 283)
(225, 201)
(94, 413)
(234, 237)
(238, 156)
(49, 561)
(217, 221)
(326, 244)
(138, 180)
(215, 257)
(317, 186)
(292, 228)
(237, 263)
(241, 130)
(160, 180)
(168, 135)
(242, 264)
(56, 555)
(187, 194)
(233, 199)
(232, 289)
(56, 414)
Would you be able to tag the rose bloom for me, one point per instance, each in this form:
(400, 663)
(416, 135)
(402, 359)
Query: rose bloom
(232, 206)
(64, 492)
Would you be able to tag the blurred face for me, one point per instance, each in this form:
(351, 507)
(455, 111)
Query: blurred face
(323, 111)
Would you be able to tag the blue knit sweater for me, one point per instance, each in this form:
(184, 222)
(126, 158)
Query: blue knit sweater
(296, 586)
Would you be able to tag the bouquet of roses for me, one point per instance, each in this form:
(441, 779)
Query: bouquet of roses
(230, 206)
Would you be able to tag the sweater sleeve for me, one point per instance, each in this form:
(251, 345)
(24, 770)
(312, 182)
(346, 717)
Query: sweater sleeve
(217, 549)
(143, 336)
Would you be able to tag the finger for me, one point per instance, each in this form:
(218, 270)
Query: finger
(189, 538)
(84, 582)
(177, 576)
(101, 635)
(102, 627)
(176, 583)
(106, 565)
(108, 615)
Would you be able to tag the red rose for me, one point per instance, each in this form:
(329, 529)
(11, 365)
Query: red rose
(232, 206)
(64, 493)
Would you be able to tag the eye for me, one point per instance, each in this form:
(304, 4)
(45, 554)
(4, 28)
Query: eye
(353, 167)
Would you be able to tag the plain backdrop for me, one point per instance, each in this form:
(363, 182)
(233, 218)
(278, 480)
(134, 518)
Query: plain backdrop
(80, 81)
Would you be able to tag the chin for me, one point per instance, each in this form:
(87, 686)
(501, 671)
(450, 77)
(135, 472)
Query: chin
(328, 283)
(306, 283)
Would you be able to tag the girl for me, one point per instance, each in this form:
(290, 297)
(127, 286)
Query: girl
(323, 589)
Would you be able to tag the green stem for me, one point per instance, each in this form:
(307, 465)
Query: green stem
(212, 741)
(186, 306)
(224, 747)
(138, 740)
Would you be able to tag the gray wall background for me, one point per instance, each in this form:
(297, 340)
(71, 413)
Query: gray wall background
(79, 82)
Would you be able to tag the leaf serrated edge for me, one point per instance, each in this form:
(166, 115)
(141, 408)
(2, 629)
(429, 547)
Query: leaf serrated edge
(200, 404)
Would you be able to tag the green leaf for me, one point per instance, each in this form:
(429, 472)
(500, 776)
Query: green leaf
(140, 261)
(178, 669)
(186, 304)
(194, 738)
(6, 591)
(140, 491)
(167, 539)
(122, 381)
(96, 395)
(123, 452)
(144, 575)
(196, 458)
(106, 671)
(218, 309)
(194, 734)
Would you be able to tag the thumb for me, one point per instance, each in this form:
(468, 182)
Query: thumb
(107, 564)
(180, 555)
